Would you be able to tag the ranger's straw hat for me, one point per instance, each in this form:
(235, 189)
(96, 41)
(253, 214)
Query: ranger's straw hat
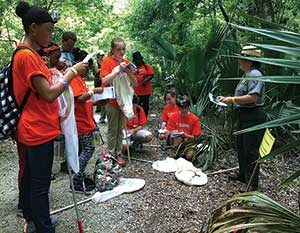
(250, 50)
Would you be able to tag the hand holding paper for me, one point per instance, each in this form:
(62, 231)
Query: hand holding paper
(216, 101)
(108, 93)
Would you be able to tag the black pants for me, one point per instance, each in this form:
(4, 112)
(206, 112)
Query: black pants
(86, 150)
(144, 102)
(36, 183)
(248, 143)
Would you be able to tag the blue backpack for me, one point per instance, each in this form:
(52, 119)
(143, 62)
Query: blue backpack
(10, 111)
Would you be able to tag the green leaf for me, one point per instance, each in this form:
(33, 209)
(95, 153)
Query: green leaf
(288, 37)
(278, 48)
(295, 118)
(290, 179)
(270, 79)
(260, 20)
(274, 61)
(167, 50)
(256, 211)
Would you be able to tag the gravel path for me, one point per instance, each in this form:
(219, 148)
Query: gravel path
(163, 205)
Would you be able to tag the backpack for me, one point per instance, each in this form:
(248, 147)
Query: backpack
(10, 111)
(107, 173)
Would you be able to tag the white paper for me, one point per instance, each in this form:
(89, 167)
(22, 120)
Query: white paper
(108, 93)
(176, 134)
(162, 131)
(216, 101)
(89, 56)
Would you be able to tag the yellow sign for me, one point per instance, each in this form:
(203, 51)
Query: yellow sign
(266, 143)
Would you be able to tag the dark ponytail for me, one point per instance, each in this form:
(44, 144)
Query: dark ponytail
(21, 11)
(32, 14)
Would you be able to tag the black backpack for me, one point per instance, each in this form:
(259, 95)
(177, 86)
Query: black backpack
(10, 111)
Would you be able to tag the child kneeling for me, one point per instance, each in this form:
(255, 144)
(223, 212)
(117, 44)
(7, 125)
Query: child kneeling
(135, 131)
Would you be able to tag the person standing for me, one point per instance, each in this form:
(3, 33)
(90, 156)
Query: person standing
(86, 126)
(67, 56)
(97, 83)
(249, 100)
(144, 75)
(68, 44)
(38, 125)
(111, 67)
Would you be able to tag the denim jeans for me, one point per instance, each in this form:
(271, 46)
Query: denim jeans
(36, 183)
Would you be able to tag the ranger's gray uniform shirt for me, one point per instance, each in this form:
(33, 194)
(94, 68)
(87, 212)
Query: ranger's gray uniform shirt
(248, 87)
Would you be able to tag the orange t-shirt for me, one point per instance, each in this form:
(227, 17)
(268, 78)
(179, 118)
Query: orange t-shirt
(141, 89)
(189, 124)
(108, 64)
(84, 115)
(168, 110)
(139, 119)
(39, 121)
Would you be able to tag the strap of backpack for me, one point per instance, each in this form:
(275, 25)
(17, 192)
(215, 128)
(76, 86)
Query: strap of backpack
(26, 96)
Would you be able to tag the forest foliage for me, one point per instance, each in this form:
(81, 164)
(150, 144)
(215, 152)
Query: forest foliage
(194, 45)
(190, 43)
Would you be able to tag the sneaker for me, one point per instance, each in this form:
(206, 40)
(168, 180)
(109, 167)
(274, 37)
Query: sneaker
(64, 167)
(243, 188)
(89, 183)
(54, 220)
(236, 177)
(81, 188)
(53, 176)
(137, 145)
(20, 207)
(29, 227)
(121, 161)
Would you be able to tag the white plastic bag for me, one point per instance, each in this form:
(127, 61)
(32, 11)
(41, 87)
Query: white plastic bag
(126, 185)
(69, 130)
(124, 94)
(67, 122)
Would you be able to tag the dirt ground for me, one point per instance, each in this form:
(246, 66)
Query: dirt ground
(164, 205)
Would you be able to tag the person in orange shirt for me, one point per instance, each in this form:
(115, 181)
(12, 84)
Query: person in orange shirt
(183, 125)
(38, 125)
(111, 67)
(53, 53)
(144, 75)
(135, 127)
(170, 98)
(86, 126)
